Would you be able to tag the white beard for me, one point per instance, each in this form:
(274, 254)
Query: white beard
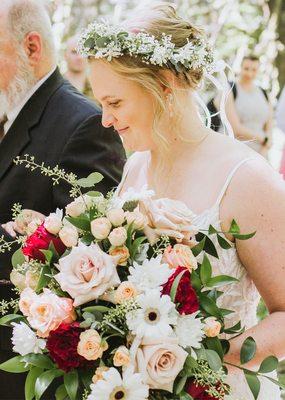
(18, 88)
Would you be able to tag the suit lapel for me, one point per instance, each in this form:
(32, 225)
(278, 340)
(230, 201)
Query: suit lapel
(18, 135)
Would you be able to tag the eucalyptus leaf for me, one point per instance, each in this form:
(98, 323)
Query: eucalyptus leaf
(18, 258)
(215, 345)
(269, 364)
(91, 180)
(93, 193)
(253, 383)
(101, 309)
(213, 359)
(81, 222)
(248, 350)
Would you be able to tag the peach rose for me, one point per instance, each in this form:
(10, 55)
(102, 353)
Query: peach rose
(212, 327)
(27, 297)
(76, 207)
(122, 252)
(136, 218)
(91, 346)
(69, 236)
(125, 291)
(122, 357)
(47, 311)
(168, 217)
(118, 236)
(86, 273)
(116, 216)
(99, 374)
(159, 361)
(101, 228)
(180, 255)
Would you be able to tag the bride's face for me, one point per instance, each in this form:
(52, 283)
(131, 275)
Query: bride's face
(126, 106)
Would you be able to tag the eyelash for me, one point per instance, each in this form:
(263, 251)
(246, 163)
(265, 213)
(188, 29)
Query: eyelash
(115, 104)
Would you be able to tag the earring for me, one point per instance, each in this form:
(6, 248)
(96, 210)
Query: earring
(170, 101)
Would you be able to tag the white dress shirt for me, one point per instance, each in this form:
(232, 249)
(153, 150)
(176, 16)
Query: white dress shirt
(12, 115)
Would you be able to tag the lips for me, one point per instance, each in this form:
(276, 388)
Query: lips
(121, 131)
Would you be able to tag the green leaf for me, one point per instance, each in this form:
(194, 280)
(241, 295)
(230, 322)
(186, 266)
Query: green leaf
(91, 180)
(7, 319)
(185, 396)
(18, 258)
(39, 360)
(224, 243)
(221, 280)
(61, 393)
(209, 306)
(196, 281)
(244, 237)
(233, 329)
(44, 380)
(86, 377)
(234, 227)
(91, 309)
(213, 359)
(278, 383)
(225, 312)
(210, 248)
(196, 250)
(31, 381)
(136, 245)
(89, 43)
(71, 384)
(215, 344)
(93, 193)
(82, 223)
(190, 365)
(48, 255)
(205, 270)
(175, 284)
(181, 384)
(253, 383)
(44, 278)
(269, 364)
(248, 350)
(212, 230)
(15, 365)
(225, 345)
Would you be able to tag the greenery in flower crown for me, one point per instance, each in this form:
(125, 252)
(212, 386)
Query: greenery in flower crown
(103, 40)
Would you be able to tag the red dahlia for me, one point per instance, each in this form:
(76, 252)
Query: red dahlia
(40, 240)
(62, 346)
(198, 392)
(185, 296)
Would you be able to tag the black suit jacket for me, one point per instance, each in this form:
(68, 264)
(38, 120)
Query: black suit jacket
(58, 126)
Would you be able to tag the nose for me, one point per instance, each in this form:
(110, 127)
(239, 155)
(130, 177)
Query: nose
(108, 119)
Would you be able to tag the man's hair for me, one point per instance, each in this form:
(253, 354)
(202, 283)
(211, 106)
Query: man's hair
(25, 16)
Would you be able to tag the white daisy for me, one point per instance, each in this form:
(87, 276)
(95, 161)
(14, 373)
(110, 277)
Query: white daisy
(25, 340)
(189, 330)
(154, 318)
(114, 387)
(150, 275)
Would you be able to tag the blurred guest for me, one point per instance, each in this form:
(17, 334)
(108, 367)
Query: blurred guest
(48, 118)
(76, 68)
(248, 108)
(280, 119)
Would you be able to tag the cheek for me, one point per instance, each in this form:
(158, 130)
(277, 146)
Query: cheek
(8, 70)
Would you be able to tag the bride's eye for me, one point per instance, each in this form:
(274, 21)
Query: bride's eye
(115, 103)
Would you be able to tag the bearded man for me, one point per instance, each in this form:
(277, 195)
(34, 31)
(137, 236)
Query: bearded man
(42, 115)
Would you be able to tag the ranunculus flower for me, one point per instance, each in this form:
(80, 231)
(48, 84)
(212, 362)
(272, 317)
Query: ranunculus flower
(26, 218)
(40, 240)
(69, 236)
(91, 346)
(122, 252)
(212, 327)
(121, 357)
(118, 236)
(116, 216)
(100, 228)
(159, 361)
(62, 346)
(199, 392)
(99, 374)
(47, 311)
(126, 290)
(180, 255)
(86, 273)
(53, 222)
(186, 297)
(136, 218)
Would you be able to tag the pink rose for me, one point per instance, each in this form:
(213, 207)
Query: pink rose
(100, 228)
(86, 273)
(45, 312)
(69, 236)
(168, 217)
(159, 361)
(118, 236)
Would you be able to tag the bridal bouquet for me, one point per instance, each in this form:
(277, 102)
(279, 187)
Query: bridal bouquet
(117, 301)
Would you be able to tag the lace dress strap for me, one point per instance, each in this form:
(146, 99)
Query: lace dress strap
(230, 177)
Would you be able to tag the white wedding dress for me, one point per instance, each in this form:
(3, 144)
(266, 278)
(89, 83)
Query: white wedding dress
(241, 297)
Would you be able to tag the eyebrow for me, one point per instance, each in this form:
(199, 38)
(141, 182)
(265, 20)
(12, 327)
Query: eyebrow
(107, 97)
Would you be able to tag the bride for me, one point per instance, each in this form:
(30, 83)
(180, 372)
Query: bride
(149, 99)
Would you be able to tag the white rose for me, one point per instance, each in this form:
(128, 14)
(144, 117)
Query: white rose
(75, 208)
(86, 273)
(18, 279)
(69, 236)
(25, 340)
(136, 218)
(118, 236)
(159, 361)
(101, 228)
(116, 216)
(53, 222)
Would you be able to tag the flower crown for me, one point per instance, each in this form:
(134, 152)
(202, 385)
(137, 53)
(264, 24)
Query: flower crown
(102, 40)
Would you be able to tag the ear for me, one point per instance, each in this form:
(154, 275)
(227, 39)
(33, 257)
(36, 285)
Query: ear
(33, 47)
(169, 81)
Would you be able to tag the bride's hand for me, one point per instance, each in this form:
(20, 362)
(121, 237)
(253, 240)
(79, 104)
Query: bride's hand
(22, 221)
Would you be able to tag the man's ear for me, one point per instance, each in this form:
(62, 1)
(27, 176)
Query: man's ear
(33, 47)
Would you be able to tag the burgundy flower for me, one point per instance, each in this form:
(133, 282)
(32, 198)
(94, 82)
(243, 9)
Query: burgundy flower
(185, 296)
(40, 240)
(198, 392)
(62, 346)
